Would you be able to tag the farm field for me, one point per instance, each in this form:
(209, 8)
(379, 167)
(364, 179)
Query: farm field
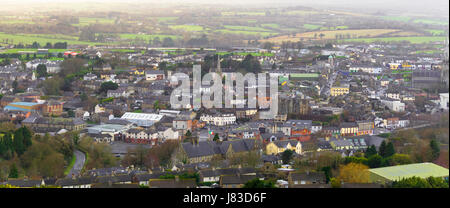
(397, 18)
(243, 13)
(330, 34)
(431, 22)
(436, 32)
(246, 28)
(414, 40)
(129, 36)
(245, 53)
(244, 32)
(30, 38)
(190, 28)
(311, 27)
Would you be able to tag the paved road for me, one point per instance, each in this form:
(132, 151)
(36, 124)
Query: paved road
(79, 163)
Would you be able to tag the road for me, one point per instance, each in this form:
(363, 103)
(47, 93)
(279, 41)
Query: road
(79, 163)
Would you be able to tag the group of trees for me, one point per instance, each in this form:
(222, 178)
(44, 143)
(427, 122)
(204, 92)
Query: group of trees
(48, 45)
(417, 182)
(160, 155)
(25, 154)
(15, 142)
(385, 156)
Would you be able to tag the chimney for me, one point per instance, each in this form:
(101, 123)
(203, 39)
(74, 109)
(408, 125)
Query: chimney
(177, 178)
(73, 176)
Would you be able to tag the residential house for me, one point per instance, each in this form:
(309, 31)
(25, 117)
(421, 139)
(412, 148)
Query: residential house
(279, 146)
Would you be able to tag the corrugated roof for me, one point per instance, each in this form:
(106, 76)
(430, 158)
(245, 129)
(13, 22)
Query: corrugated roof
(422, 170)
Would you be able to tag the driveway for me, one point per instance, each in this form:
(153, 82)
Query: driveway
(79, 163)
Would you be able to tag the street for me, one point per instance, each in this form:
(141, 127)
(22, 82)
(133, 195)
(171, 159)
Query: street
(79, 163)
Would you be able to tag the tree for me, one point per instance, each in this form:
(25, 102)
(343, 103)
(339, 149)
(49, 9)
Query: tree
(41, 70)
(435, 149)
(168, 42)
(417, 182)
(286, 156)
(375, 161)
(18, 145)
(13, 172)
(390, 150)
(216, 137)
(371, 150)
(382, 149)
(354, 173)
(328, 173)
(335, 183)
(105, 86)
(256, 183)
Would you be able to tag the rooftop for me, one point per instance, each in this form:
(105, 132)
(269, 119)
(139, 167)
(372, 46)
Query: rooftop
(422, 170)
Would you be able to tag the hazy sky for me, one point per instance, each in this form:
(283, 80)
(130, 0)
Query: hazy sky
(407, 6)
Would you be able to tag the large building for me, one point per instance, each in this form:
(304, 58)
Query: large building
(23, 106)
(387, 175)
(142, 119)
(339, 90)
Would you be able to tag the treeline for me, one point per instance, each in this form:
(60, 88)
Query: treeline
(48, 45)
(15, 142)
(25, 154)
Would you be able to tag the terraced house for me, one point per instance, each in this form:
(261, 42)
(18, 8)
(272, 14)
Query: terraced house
(279, 146)
(203, 151)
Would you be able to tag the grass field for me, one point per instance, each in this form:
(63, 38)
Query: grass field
(243, 13)
(331, 34)
(30, 38)
(414, 40)
(166, 19)
(397, 18)
(128, 36)
(274, 26)
(301, 12)
(436, 32)
(190, 28)
(245, 53)
(243, 32)
(33, 50)
(431, 22)
(311, 27)
(245, 28)
(428, 52)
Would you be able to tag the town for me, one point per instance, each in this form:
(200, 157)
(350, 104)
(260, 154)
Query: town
(97, 112)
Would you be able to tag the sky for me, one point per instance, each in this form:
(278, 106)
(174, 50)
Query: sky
(412, 6)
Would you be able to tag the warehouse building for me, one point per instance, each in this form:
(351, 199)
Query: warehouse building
(387, 175)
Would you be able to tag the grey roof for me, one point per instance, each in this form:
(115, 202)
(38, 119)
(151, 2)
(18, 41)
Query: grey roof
(115, 179)
(76, 181)
(24, 183)
(315, 177)
(207, 148)
(226, 171)
(283, 143)
(236, 179)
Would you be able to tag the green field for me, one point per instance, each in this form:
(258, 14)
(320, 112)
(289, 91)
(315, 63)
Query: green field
(129, 36)
(428, 52)
(32, 50)
(397, 18)
(243, 32)
(431, 22)
(42, 40)
(166, 19)
(436, 32)
(311, 27)
(414, 40)
(245, 28)
(243, 13)
(274, 26)
(244, 53)
(190, 28)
